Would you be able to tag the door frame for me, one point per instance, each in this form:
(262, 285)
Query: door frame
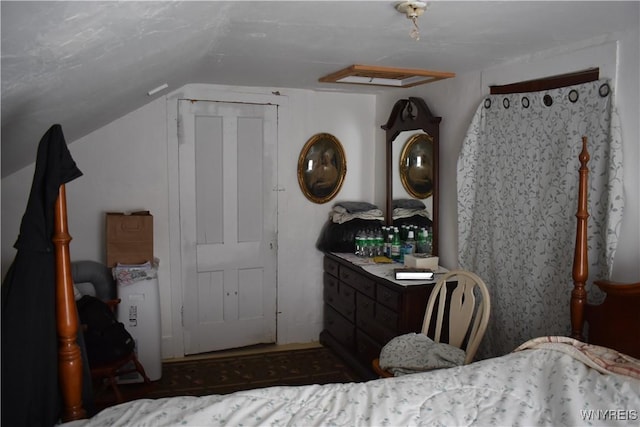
(173, 344)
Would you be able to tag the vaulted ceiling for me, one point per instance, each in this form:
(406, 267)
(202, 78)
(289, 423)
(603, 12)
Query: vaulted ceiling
(84, 64)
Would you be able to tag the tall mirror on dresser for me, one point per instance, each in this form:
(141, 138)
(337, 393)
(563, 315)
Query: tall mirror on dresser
(412, 135)
(364, 307)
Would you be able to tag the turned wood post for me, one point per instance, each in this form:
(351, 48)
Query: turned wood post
(580, 257)
(69, 354)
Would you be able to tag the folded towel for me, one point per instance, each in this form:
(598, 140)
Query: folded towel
(408, 204)
(399, 213)
(341, 217)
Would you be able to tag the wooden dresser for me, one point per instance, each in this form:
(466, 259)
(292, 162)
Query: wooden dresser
(362, 312)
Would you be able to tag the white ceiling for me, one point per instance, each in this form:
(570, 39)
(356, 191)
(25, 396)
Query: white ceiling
(84, 64)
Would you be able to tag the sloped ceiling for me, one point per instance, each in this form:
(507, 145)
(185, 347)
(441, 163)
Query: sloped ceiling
(84, 64)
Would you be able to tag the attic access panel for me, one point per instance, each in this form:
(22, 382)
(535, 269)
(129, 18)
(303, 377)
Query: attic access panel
(385, 76)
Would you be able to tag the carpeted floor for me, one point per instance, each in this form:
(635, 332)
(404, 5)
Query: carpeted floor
(318, 365)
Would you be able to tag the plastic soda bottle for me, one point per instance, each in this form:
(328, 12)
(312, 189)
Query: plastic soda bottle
(421, 244)
(410, 243)
(396, 246)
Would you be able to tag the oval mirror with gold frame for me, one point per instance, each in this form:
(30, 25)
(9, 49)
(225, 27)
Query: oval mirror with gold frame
(322, 167)
(416, 166)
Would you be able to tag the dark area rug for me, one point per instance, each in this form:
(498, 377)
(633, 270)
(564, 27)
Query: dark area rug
(223, 375)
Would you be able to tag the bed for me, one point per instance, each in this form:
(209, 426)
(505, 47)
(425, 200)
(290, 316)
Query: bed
(551, 392)
(546, 381)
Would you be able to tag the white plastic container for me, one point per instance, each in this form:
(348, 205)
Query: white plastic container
(139, 311)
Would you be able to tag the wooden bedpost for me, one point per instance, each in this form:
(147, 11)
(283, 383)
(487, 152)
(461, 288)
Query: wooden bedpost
(69, 354)
(580, 257)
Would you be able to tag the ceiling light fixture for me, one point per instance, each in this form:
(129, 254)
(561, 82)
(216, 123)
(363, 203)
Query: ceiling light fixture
(413, 9)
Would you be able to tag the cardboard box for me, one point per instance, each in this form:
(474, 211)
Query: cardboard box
(129, 238)
(421, 261)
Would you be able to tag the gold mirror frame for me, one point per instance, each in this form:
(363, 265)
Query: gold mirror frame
(416, 166)
(322, 167)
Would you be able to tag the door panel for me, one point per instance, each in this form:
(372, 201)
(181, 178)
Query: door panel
(227, 155)
(209, 189)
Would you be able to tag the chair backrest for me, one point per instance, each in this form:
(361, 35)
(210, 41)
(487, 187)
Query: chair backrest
(468, 317)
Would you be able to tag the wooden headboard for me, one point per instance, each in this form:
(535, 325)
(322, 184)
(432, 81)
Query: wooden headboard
(616, 322)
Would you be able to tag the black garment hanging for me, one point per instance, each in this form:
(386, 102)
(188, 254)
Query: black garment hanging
(30, 392)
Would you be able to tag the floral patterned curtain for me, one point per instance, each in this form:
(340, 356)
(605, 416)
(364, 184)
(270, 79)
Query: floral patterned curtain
(517, 199)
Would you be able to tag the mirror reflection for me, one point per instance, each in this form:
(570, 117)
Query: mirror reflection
(416, 166)
(412, 162)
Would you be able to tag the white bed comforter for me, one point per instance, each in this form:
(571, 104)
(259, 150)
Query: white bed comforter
(530, 388)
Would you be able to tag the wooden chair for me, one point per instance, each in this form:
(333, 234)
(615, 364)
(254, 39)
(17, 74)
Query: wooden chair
(108, 373)
(458, 311)
(95, 279)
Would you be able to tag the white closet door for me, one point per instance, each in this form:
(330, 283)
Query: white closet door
(228, 208)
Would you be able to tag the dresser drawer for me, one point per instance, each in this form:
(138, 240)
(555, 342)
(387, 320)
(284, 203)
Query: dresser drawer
(378, 320)
(340, 296)
(331, 266)
(365, 306)
(330, 291)
(339, 327)
(360, 282)
(386, 317)
(388, 297)
(366, 349)
(379, 332)
(347, 302)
